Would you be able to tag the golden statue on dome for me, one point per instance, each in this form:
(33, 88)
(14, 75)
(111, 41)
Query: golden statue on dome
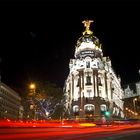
(87, 25)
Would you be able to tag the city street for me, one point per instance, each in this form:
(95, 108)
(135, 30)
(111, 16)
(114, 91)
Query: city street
(120, 132)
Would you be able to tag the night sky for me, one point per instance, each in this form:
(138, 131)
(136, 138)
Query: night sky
(38, 38)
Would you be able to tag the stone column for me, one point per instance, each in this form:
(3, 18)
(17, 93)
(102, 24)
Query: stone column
(97, 85)
(106, 88)
(81, 76)
(94, 83)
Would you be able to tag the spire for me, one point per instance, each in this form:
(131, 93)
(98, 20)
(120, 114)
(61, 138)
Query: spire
(87, 25)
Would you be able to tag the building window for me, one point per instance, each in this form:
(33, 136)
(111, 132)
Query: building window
(89, 96)
(103, 108)
(98, 64)
(76, 110)
(99, 81)
(112, 92)
(88, 80)
(87, 100)
(78, 82)
(89, 93)
(89, 109)
(88, 64)
(75, 99)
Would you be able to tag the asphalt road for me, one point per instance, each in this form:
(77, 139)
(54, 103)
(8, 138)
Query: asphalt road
(90, 133)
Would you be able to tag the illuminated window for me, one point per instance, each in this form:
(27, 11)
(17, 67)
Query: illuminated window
(89, 93)
(76, 108)
(103, 107)
(89, 109)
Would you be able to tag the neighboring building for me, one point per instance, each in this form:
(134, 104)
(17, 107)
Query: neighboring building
(92, 86)
(132, 90)
(132, 100)
(10, 103)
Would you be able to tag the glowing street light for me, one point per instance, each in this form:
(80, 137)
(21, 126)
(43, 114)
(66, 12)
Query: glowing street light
(136, 114)
(47, 113)
(126, 114)
(134, 103)
(32, 86)
(126, 108)
(32, 107)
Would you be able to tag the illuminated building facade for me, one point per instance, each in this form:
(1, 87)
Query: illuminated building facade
(10, 103)
(92, 86)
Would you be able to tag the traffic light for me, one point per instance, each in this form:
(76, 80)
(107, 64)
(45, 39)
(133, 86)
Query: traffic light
(107, 114)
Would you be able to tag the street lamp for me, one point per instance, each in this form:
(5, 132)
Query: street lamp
(136, 114)
(134, 103)
(126, 109)
(32, 88)
(31, 95)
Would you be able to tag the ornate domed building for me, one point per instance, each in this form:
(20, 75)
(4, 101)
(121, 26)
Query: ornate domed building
(92, 86)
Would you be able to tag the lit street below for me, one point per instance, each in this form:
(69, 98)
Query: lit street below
(118, 132)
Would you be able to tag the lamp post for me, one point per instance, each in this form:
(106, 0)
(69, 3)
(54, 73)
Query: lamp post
(126, 115)
(134, 104)
(32, 88)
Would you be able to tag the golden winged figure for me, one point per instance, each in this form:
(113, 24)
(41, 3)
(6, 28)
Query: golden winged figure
(87, 25)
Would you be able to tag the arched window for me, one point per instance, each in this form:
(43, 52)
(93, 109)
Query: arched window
(89, 109)
(103, 107)
(76, 108)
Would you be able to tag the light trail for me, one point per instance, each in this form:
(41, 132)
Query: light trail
(63, 133)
